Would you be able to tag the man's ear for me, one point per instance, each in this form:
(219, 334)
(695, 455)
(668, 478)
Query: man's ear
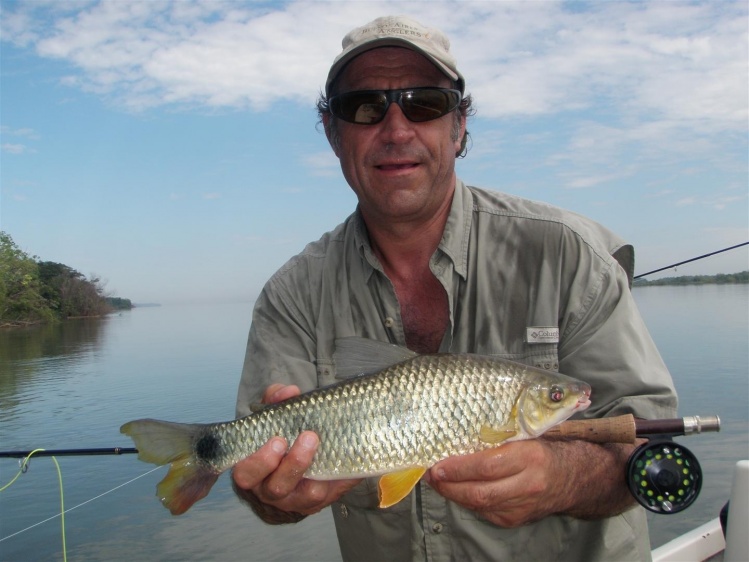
(326, 123)
(459, 140)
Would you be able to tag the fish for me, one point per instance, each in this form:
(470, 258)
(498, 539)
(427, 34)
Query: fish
(394, 415)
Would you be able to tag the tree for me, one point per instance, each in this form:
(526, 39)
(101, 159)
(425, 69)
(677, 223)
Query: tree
(69, 293)
(21, 297)
(52, 276)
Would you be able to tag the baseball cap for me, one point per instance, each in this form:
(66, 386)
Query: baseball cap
(397, 31)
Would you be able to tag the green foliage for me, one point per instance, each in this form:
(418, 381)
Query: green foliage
(53, 276)
(720, 279)
(119, 304)
(69, 293)
(43, 291)
(21, 297)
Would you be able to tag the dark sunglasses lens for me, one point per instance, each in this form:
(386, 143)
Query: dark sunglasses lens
(369, 107)
(359, 107)
(425, 105)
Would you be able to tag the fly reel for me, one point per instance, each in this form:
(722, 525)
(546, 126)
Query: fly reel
(663, 476)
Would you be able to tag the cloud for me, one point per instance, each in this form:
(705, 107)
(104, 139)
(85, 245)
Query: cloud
(17, 148)
(24, 132)
(717, 202)
(686, 201)
(655, 81)
(13, 148)
(577, 182)
(681, 61)
(210, 54)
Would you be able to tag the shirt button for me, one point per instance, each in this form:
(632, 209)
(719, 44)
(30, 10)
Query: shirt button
(437, 528)
(389, 322)
(344, 511)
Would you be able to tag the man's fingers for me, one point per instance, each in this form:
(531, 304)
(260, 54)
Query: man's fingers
(292, 468)
(251, 472)
(280, 392)
(491, 464)
(484, 465)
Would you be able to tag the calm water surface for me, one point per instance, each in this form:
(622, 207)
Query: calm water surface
(74, 384)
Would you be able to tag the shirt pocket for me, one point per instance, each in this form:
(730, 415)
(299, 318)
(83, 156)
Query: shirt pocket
(540, 355)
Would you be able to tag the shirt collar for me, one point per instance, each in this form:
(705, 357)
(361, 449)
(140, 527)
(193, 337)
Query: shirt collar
(361, 242)
(456, 235)
(454, 243)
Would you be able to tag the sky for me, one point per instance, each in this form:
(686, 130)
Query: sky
(172, 148)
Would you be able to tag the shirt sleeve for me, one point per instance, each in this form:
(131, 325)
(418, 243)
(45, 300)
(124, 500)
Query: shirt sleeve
(607, 344)
(280, 347)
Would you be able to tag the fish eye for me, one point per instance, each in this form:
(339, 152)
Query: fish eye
(556, 394)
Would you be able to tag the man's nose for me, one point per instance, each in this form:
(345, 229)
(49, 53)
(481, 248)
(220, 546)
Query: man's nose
(395, 125)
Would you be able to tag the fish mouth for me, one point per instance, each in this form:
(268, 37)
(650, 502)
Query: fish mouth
(584, 401)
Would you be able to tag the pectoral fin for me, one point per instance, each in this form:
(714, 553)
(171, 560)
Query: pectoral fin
(496, 435)
(397, 485)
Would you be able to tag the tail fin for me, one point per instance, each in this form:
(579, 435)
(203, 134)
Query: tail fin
(160, 442)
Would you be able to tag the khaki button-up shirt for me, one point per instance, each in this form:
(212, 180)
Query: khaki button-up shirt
(525, 281)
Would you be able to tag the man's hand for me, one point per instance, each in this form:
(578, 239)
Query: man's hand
(524, 481)
(275, 478)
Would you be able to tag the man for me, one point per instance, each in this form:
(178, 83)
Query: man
(431, 264)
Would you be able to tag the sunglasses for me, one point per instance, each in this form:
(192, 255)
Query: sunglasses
(367, 107)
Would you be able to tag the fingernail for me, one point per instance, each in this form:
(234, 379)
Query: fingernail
(278, 446)
(308, 441)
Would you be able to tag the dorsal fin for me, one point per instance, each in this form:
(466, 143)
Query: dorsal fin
(357, 356)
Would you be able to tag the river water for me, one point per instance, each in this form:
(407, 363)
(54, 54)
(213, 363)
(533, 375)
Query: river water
(72, 385)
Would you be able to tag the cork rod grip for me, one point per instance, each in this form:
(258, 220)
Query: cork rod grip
(619, 429)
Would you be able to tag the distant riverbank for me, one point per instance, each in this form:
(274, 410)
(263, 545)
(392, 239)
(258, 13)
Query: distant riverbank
(719, 279)
(39, 292)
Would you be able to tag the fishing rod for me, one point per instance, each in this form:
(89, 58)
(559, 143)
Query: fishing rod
(691, 260)
(69, 452)
(618, 429)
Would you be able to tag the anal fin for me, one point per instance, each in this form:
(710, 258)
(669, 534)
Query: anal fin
(397, 485)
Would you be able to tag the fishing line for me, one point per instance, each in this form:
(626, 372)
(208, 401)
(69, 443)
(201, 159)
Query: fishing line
(64, 511)
(22, 470)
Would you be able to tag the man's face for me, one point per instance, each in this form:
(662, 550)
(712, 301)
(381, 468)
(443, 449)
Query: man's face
(400, 171)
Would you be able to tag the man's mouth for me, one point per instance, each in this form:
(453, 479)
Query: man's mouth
(396, 166)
